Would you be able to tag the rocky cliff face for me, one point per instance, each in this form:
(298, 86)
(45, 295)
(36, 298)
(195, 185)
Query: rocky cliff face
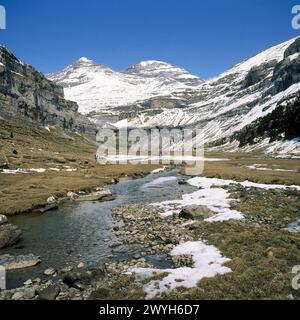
(26, 93)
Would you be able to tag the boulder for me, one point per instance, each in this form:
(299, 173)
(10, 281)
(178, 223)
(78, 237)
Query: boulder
(3, 219)
(9, 234)
(82, 278)
(28, 293)
(195, 213)
(10, 262)
(50, 293)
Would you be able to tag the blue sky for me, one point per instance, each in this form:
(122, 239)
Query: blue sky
(205, 37)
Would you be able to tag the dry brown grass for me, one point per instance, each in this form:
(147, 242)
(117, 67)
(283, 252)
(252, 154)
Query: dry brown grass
(33, 147)
(235, 169)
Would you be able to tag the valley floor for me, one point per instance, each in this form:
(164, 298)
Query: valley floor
(249, 257)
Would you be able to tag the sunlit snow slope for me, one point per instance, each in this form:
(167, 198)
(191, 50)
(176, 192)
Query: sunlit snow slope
(156, 94)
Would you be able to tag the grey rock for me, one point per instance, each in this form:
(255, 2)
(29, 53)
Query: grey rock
(3, 219)
(19, 262)
(195, 212)
(19, 295)
(28, 293)
(50, 271)
(9, 235)
(50, 293)
(27, 93)
(83, 277)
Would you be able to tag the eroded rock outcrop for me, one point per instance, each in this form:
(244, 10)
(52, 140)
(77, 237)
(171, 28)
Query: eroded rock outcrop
(9, 233)
(27, 93)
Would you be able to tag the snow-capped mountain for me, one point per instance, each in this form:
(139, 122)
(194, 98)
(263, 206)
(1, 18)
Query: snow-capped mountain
(96, 87)
(156, 94)
(163, 71)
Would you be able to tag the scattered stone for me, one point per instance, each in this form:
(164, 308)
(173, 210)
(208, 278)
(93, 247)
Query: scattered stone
(84, 277)
(37, 280)
(195, 212)
(50, 271)
(9, 234)
(3, 219)
(18, 295)
(81, 265)
(19, 262)
(50, 293)
(28, 282)
(28, 293)
(51, 200)
(66, 269)
(72, 195)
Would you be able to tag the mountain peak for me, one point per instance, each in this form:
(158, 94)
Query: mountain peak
(84, 61)
(161, 69)
(152, 62)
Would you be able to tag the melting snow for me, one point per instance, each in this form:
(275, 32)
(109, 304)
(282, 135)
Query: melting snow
(158, 170)
(208, 262)
(202, 182)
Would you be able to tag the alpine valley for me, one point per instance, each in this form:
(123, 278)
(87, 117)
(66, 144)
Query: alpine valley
(74, 229)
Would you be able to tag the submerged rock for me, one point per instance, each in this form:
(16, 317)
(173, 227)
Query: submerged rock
(49, 207)
(9, 234)
(10, 262)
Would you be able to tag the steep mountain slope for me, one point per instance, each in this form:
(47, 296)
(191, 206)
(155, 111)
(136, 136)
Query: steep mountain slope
(26, 93)
(97, 88)
(155, 94)
(239, 96)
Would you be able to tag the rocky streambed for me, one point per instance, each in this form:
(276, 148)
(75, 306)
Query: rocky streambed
(81, 230)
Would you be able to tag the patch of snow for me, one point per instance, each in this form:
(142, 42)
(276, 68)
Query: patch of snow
(208, 262)
(158, 170)
(261, 168)
(41, 170)
(202, 182)
(8, 171)
(216, 199)
(70, 170)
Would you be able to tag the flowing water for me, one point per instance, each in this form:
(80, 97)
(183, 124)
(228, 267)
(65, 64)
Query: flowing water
(83, 232)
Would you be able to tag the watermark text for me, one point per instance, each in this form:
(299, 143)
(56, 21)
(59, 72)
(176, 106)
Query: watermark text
(2, 18)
